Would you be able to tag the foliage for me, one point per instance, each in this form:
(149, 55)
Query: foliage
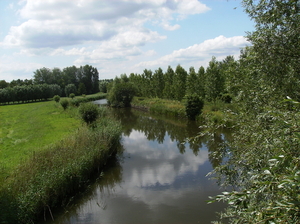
(87, 75)
(121, 94)
(56, 98)
(64, 103)
(276, 42)
(89, 112)
(103, 85)
(70, 88)
(27, 93)
(262, 161)
(72, 95)
(215, 81)
(194, 106)
(52, 176)
(226, 97)
(172, 108)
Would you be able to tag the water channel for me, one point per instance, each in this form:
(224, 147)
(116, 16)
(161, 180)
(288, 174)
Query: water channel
(159, 178)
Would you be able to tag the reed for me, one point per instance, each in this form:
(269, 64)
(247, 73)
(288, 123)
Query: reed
(50, 175)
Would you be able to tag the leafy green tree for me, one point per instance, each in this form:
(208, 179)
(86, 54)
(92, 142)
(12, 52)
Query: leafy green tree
(70, 88)
(214, 85)
(201, 82)
(3, 84)
(192, 83)
(43, 76)
(64, 103)
(263, 160)
(103, 85)
(158, 83)
(82, 89)
(56, 98)
(194, 106)
(168, 77)
(89, 112)
(121, 94)
(179, 83)
(276, 42)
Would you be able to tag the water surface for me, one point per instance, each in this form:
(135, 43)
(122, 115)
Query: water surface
(160, 178)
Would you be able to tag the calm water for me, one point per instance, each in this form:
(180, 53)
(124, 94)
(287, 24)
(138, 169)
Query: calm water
(158, 179)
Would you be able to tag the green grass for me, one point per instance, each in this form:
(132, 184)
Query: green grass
(161, 106)
(48, 155)
(217, 112)
(28, 128)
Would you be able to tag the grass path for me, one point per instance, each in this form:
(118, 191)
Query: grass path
(27, 128)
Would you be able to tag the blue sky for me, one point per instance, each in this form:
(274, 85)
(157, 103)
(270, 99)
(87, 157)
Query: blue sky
(117, 36)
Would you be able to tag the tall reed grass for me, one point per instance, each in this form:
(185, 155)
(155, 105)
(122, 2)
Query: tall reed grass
(50, 177)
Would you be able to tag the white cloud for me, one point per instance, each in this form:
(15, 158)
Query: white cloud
(11, 69)
(220, 46)
(59, 23)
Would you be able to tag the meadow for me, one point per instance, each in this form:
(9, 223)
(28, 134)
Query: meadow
(29, 128)
(48, 155)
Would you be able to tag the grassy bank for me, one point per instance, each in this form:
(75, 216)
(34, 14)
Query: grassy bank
(28, 128)
(160, 106)
(213, 112)
(52, 168)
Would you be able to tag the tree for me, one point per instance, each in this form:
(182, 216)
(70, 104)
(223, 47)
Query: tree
(276, 41)
(43, 75)
(56, 98)
(70, 88)
(194, 106)
(168, 77)
(214, 85)
(3, 84)
(89, 76)
(64, 103)
(121, 94)
(158, 83)
(179, 83)
(262, 160)
(81, 89)
(192, 83)
(89, 112)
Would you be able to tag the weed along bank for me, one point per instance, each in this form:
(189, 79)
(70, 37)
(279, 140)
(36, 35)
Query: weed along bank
(48, 175)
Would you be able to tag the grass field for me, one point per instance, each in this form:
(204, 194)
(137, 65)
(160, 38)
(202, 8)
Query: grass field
(28, 128)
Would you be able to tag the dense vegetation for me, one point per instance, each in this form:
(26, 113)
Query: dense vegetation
(49, 82)
(263, 159)
(48, 156)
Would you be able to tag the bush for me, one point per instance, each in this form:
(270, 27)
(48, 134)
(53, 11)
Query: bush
(227, 98)
(194, 106)
(64, 103)
(89, 112)
(56, 98)
(121, 94)
(72, 95)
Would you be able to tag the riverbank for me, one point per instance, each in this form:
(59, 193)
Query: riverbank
(50, 171)
(219, 113)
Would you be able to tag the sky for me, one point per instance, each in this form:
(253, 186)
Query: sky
(118, 36)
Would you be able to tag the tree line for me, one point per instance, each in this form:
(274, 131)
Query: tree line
(49, 82)
(211, 84)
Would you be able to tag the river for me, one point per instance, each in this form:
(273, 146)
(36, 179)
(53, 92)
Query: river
(159, 178)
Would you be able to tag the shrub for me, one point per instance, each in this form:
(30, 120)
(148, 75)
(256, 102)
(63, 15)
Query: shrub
(89, 112)
(56, 98)
(194, 106)
(227, 98)
(121, 94)
(64, 103)
(72, 95)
